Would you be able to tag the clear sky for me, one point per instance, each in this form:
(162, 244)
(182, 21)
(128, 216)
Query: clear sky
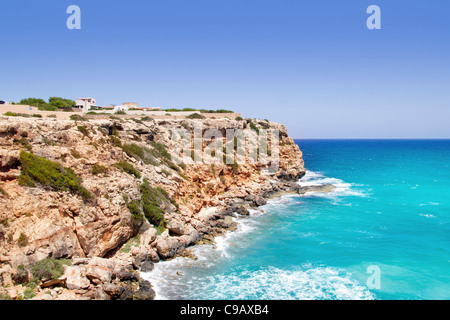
(311, 65)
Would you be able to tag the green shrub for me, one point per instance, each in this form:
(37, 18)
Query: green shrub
(99, 169)
(51, 174)
(151, 201)
(51, 116)
(83, 130)
(60, 103)
(216, 111)
(137, 120)
(135, 210)
(142, 153)
(239, 118)
(195, 116)
(160, 149)
(35, 102)
(128, 168)
(120, 112)
(23, 240)
(253, 127)
(24, 142)
(75, 154)
(133, 242)
(15, 114)
(116, 141)
(47, 269)
(77, 117)
(179, 110)
(29, 293)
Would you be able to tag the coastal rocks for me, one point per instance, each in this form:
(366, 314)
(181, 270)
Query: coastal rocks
(317, 188)
(112, 290)
(147, 266)
(39, 223)
(259, 201)
(166, 247)
(176, 226)
(148, 256)
(148, 236)
(100, 270)
(145, 291)
(20, 276)
(76, 278)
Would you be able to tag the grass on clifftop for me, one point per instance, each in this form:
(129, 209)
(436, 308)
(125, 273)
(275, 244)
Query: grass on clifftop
(38, 170)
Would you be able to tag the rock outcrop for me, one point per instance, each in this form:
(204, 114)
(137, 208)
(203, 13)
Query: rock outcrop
(183, 204)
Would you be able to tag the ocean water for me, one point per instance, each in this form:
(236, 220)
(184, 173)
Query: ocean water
(390, 209)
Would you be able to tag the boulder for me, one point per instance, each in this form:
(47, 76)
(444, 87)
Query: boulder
(76, 278)
(124, 275)
(148, 236)
(149, 255)
(166, 247)
(101, 295)
(317, 188)
(259, 201)
(145, 291)
(242, 211)
(176, 226)
(147, 266)
(112, 290)
(100, 270)
(20, 276)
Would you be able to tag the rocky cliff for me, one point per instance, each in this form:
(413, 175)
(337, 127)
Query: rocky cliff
(107, 195)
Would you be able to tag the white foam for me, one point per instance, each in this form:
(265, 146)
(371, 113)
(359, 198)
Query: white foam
(342, 188)
(427, 215)
(272, 283)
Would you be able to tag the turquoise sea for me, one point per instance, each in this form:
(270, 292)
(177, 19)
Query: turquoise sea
(390, 209)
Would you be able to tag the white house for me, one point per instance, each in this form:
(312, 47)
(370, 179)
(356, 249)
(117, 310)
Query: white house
(120, 108)
(85, 103)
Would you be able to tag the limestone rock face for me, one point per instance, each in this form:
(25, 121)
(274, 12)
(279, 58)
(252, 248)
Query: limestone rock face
(41, 222)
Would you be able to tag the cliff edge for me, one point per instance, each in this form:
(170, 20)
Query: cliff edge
(107, 197)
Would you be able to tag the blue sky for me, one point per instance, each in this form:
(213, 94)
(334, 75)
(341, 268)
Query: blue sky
(311, 65)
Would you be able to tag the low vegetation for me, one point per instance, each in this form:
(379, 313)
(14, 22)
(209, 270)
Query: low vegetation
(128, 168)
(23, 240)
(133, 242)
(26, 115)
(99, 169)
(41, 171)
(25, 143)
(141, 153)
(195, 116)
(152, 199)
(77, 117)
(48, 269)
(83, 130)
(254, 127)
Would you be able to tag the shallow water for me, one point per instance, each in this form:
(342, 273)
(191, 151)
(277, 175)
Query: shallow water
(390, 209)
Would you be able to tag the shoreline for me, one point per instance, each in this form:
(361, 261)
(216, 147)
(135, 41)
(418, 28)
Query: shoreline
(196, 203)
(202, 251)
